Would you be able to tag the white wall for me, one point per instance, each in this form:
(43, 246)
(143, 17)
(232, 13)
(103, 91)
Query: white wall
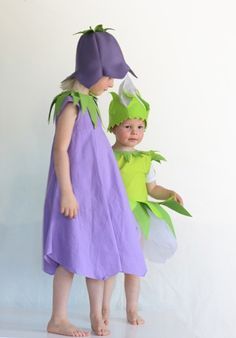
(184, 53)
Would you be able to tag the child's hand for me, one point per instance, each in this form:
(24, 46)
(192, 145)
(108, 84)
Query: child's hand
(69, 205)
(177, 197)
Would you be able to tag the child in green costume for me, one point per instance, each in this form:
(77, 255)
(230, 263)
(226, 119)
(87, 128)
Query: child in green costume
(128, 114)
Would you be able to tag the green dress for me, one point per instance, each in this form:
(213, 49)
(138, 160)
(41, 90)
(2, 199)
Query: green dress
(156, 228)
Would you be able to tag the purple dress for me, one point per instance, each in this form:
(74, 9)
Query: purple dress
(103, 239)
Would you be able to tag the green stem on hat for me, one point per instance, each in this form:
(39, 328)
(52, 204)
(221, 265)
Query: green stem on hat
(98, 28)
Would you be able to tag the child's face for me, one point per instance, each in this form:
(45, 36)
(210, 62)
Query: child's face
(130, 132)
(101, 85)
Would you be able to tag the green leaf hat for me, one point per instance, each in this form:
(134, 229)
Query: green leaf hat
(127, 105)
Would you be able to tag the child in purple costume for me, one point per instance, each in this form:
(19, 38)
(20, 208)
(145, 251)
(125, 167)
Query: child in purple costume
(89, 228)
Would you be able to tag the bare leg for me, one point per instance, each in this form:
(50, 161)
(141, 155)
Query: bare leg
(59, 322)
(108, 288)
(95, 291)
(132, 287)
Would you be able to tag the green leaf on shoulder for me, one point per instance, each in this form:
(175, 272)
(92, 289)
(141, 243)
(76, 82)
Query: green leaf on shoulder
(86, 102)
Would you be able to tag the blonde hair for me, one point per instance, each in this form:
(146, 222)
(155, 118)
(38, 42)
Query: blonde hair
(73, 84)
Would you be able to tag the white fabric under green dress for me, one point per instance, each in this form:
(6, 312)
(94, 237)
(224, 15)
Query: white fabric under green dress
(158, 235)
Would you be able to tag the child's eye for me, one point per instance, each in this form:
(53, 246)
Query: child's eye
(140, 127)
(127, 126)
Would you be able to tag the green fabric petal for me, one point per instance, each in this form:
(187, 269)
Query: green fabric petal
(155, 156)
(83, 102)
(137, 108)
(86, 102)
(127, 155)
(161, 213)
(172, 204)
(75, 97)
(141, 106)
(146, 104)
(141, 214)
(50, 109)
(142, 218)
(59, 101)
(117, 111)
(93, 113)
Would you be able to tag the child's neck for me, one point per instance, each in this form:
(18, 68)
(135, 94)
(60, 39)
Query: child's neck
(120, 147)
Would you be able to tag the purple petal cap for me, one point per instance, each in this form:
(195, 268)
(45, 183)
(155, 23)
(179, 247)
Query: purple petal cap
(98, 54)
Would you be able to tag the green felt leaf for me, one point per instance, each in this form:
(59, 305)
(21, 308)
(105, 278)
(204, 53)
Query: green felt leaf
(109, 29)
(118, 112)
(156, 156)
(50, 109)
(84, 32)
(127, 155)
(93, 113)
(161, 213)
(98, 28)
(172, 204)
(83, 103)
(146, 104)
(142, 218)
(86, 102)
(59, 101)
(76, 97)
(141, 212)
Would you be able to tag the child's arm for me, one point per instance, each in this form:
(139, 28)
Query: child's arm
(160, 193)
(64, 128)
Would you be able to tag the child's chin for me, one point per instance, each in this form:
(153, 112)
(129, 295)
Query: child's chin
(133, 142)
(99, 93)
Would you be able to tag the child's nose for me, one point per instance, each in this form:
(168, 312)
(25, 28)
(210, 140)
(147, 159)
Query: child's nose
(134, 131)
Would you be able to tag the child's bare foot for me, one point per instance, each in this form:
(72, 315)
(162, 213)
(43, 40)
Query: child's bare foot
(134, 318)
(99, 327)
(64, 327)
(105, 315)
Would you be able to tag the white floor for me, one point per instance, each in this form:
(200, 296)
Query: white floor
(22, 324)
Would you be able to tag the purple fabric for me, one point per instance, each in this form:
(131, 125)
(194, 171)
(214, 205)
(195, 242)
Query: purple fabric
(103, 239)
(98, 54)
